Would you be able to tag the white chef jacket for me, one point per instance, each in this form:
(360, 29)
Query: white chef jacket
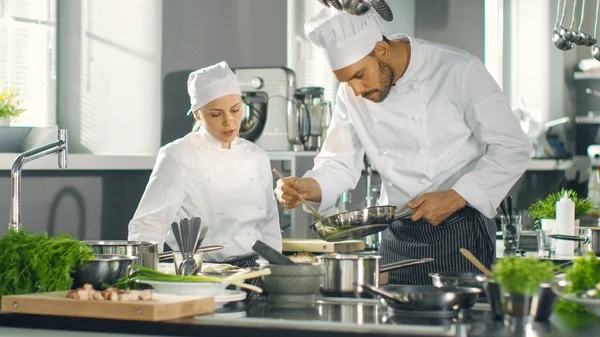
(231, 190)
(445, 125)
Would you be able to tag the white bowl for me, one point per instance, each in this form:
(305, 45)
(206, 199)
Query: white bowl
(197, 289)
(592, 305)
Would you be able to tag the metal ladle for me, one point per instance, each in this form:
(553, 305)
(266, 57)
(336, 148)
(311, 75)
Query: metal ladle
(577, 37)
(588, 40)
(561, 36)
(595, 48)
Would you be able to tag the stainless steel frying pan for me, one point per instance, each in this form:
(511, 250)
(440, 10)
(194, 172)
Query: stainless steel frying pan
(356, 224)
(425, 298)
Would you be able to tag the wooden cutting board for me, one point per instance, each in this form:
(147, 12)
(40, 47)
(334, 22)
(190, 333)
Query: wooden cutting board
(321, 246)
(162, 307)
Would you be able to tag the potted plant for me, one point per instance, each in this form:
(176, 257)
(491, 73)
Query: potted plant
(544, 210)
(9, 105)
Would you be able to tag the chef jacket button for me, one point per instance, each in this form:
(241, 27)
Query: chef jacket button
(201, 149)
(420, 152)
(414, 86)
(247, 150)
(389, 183)
(384, 152)
(260, 208)
(416, 118)
(375, 120)
(251, 179)
(220, 212)
(423, 181)
(208, 180)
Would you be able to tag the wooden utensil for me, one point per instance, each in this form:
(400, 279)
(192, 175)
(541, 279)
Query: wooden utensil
(312, 209)
(475, 261)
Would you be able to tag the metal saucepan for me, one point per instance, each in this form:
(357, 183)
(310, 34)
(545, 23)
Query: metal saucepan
(146, 253)
(354, 224)
(587, 241)
(425, 298)
(342, 271)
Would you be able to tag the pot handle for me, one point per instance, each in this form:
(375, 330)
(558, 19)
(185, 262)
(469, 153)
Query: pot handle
(569, 237)
(405, 263)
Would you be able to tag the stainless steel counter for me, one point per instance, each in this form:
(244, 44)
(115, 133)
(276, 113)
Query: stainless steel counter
(327, 317)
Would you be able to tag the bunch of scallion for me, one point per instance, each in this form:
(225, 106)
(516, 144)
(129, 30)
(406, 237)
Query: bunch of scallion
(34, 263)
(139, 274)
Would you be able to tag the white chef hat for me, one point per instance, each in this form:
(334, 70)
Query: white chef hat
(210, 83)
(345, 38)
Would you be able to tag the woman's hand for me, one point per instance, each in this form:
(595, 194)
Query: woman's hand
(290, 190)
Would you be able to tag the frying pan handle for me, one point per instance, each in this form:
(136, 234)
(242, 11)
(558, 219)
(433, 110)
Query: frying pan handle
(406, 263)
(376, 291)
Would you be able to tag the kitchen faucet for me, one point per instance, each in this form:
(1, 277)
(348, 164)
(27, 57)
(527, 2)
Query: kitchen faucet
(59, 146)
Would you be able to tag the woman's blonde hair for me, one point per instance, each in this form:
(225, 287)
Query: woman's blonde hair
(197, 123)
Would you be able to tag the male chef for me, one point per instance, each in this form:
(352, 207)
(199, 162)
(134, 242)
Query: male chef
(435, 126)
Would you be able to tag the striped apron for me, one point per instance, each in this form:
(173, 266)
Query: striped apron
(466, 228)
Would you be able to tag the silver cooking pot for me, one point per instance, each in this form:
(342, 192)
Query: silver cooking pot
(354, 224)
(343, 271)
(146, 253)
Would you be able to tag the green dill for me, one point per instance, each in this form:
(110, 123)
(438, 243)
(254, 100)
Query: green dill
(33, 263)
(521, 275)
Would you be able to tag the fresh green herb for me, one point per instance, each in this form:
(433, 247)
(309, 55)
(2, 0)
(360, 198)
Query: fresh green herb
(138, 274)
(33, 263)
(583, 275)
(546, 208)
(521, 275)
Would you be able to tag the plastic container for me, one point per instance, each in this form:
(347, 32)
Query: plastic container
(565, 223)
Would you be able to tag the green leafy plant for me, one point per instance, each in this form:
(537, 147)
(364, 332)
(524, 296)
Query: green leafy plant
(522, 276)
(583, 275)
(9, 104)
(546, 208)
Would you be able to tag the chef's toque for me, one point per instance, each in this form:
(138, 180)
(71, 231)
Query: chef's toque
(345, 38)
(210, 83)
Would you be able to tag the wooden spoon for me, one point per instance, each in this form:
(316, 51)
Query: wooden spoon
(312, 209)
(475, 261)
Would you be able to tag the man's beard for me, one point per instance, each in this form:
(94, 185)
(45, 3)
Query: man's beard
(386, 81)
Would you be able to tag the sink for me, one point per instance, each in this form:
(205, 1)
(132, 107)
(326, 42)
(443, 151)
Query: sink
(17, 139)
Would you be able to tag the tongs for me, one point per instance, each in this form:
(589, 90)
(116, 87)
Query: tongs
(360, 7)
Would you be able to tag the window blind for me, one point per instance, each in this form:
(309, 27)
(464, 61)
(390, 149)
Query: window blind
(306, 60)
(28, 57)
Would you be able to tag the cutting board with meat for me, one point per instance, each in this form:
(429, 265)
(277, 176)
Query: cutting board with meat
(136, 306)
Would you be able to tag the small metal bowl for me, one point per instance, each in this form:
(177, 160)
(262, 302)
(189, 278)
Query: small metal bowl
(102, 269)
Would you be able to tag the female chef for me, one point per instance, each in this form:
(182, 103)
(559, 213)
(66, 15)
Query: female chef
(213, 174)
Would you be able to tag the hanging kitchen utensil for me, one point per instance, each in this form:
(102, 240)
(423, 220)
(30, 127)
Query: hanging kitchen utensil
(595, 49)
(361, 7)
(355, 7)
(382, 8)
(270, 254)
(574, 35)
(354, 224)
(560, 38)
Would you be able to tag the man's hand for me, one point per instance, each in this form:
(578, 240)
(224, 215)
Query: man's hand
(435, 207)
(290, 189)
